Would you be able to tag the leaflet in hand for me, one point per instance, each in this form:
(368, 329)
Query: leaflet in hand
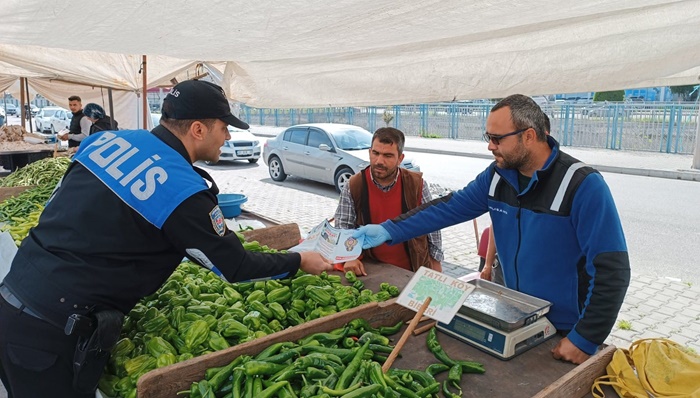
(335, 244)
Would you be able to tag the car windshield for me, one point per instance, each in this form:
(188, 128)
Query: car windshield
(352, 139)
(49, 112)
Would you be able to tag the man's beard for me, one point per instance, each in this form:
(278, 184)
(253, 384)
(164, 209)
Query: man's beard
(514, 161)
(383, 173)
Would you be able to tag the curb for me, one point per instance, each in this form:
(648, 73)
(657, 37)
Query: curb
(685, 175)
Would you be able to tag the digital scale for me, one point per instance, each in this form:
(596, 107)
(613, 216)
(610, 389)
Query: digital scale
(500, 321)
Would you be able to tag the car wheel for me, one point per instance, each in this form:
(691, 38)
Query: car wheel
(342, 177)
(253, 160)
(276, 169)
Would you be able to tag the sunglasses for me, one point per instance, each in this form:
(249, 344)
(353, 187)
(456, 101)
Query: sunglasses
(496, 139)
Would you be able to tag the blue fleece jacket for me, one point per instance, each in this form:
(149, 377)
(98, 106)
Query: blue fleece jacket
(559, 239)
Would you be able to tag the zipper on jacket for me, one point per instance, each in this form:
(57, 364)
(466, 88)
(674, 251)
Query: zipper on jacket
(517, 250)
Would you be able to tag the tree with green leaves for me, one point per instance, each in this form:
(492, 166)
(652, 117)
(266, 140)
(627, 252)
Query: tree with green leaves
(388, 117)
(617, 95)
(687, 92)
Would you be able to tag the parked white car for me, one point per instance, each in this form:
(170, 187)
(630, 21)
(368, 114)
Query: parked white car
(324, 152)
(60, 120)
(242, 146)
(42, 120)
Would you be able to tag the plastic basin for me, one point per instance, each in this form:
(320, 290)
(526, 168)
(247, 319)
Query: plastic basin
(230, 203)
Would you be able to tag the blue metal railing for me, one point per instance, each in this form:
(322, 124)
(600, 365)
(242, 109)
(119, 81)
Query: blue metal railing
(657, 127)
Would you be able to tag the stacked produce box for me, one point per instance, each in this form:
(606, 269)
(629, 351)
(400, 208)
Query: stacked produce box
(195, 313)
(346, 362)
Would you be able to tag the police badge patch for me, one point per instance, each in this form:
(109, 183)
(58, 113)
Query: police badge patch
(217, 221)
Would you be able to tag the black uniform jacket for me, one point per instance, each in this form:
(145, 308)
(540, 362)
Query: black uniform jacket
(91, 249)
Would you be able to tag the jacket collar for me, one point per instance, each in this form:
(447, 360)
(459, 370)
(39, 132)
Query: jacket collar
(172, 141)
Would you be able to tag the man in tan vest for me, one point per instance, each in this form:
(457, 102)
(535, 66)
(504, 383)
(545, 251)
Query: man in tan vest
(384, 191)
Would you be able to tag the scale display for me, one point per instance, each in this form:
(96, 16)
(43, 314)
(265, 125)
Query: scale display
(472, 331)
(501, 344)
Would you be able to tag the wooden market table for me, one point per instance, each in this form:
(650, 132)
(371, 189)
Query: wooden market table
(533, 373)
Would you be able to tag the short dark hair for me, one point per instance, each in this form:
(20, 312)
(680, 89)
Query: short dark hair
(180, 126)
(525, 113)
(390, 135)
(74, 98)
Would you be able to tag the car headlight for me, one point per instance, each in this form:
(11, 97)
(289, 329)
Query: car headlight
(362, 165)
(255, 143)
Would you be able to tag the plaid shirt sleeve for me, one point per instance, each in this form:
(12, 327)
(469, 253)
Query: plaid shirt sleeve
(345, 216)
(434, 238)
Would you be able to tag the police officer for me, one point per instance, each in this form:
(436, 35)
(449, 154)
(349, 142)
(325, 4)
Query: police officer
(128, 209)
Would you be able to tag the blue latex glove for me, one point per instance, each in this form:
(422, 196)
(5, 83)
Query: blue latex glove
(373, 234)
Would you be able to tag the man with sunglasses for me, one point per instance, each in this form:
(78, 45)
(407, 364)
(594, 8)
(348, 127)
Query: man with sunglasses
(558, 231)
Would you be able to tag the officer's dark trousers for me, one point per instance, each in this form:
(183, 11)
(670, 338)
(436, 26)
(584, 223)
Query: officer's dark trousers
(36, 357)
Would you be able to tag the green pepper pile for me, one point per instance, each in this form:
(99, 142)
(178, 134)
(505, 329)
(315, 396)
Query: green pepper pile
(42, 172)
(196, 312)
(343, 363)
(21, 211)
(455, 367)
(19, 227)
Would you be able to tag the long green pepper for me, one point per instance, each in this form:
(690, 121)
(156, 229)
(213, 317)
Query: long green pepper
(352, 367)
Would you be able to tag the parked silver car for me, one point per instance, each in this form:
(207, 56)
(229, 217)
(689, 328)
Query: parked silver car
(60, 120)
(11, 109)
(42, 121)
(323, 152)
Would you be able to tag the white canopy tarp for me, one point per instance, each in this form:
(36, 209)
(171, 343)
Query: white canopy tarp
(57, 74)
(302, 53)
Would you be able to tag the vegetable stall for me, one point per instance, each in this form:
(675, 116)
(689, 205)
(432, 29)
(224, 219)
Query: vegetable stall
(533, 373)
(178, 341)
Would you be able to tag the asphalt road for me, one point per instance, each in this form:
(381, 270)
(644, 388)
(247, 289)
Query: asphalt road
(661, 217)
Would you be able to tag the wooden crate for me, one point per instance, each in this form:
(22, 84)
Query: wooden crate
(533, 373)
(278, 237)
(8, 192)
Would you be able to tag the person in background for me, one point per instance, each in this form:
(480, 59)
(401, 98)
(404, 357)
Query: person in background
(490, 266)
(79, 124)
(558, 231)
(382, 191)
(100, 121)
(129, 208)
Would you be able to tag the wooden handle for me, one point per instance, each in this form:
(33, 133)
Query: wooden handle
(422, 319)
(414, 322)
(424, 328)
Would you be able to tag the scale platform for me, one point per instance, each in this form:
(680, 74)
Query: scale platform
(500, 321)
